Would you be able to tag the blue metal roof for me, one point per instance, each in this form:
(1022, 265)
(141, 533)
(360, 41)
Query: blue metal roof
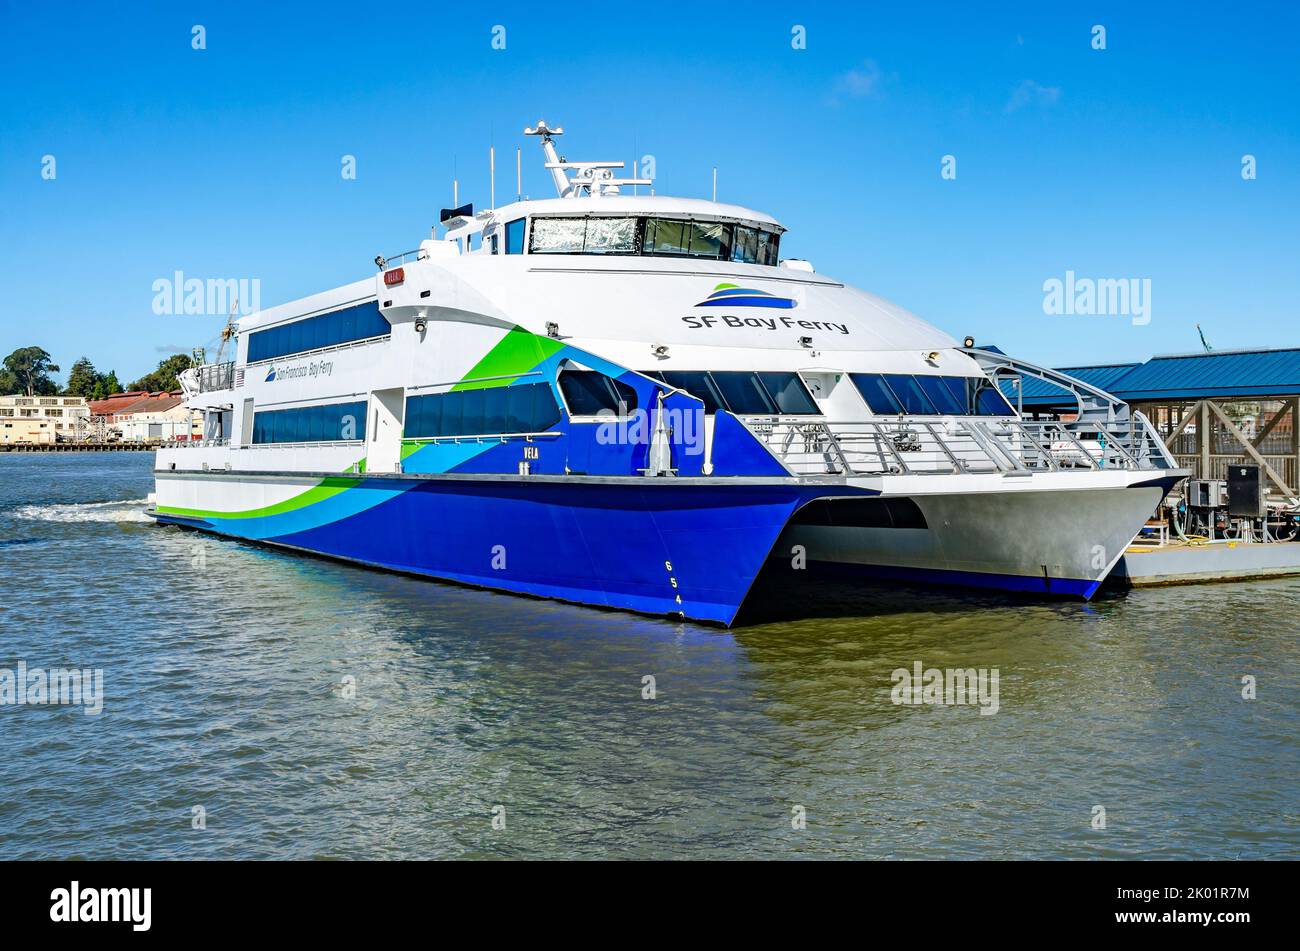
(1224, 374)
(1227, 373)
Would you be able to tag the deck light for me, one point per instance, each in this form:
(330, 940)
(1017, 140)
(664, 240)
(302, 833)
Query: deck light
(420, 325)
(552, 329)
(660, 350)
(805, 342)
(968, 343)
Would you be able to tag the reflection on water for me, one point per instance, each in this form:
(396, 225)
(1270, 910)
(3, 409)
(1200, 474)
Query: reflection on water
(227, 667)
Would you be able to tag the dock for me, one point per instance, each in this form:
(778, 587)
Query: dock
(80, 447)
(1178, 562)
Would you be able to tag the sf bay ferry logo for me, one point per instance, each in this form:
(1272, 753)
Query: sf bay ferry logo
(730, 295)
(314, 368)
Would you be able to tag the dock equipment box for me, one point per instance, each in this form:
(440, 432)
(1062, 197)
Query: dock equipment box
(1246, 492)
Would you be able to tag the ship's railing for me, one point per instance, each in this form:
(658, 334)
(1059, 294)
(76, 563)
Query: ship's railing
(914, 446)
(396, 260)
(216, 376)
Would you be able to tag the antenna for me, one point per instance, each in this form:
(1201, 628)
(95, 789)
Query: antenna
(552, 159)
(519, 174)
(455, 193)
(1204, 343)
(492, 175)
(590, 178)
(715, 183)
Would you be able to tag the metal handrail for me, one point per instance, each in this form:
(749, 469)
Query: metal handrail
(955, 445)
(214, 377)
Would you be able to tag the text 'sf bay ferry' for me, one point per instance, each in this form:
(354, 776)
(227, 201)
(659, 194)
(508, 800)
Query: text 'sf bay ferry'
(634, 402)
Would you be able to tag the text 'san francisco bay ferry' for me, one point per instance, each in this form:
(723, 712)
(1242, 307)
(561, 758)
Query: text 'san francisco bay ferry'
(634, 401)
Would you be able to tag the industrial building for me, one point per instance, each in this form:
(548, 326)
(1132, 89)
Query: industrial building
(145, 417)
(42, 419)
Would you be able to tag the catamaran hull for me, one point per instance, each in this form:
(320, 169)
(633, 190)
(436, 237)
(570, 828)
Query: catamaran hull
(652, 546)
(1060, 543)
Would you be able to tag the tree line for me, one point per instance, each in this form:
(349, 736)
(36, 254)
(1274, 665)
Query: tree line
(30, 371)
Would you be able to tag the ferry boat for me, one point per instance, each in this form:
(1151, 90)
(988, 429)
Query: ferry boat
(634, 401)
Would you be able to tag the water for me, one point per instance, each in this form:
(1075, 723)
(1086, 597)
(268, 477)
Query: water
(224, 667)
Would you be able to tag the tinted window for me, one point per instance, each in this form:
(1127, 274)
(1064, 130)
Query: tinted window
(515, 236)
(910, 394)
(699, 384)
(941, 396)
(325, 330)
(744, 394)
(333, 423)
(989, 402)
(589, 393)
(978, 396)
(700, 239)
(789, 393)
(877, 393)
(523, 408)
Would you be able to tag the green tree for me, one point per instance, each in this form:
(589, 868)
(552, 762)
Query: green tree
(98, 392)
(82, 379)
(164, 378)
(111, 385)
(30, 369)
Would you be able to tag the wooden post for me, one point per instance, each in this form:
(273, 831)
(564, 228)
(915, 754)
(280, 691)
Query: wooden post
(1203, 434)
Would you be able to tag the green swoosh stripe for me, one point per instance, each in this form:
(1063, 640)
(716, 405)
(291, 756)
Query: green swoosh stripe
(517, 353)
(317, 493)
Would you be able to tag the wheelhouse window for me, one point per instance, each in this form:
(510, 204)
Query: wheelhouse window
(663, 237)
(755, 246)
(744, 393)
(498, 410)
(694, 239)
(589, 393)
(515, 236)
(584, 236)
(894, 394)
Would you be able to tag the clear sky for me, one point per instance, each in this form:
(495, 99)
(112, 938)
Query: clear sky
(225, 162)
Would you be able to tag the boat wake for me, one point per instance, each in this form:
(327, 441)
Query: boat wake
(125, 510)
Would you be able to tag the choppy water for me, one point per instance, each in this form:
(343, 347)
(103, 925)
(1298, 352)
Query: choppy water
(224, 667)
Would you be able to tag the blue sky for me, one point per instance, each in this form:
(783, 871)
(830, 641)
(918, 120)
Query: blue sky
(225, 162)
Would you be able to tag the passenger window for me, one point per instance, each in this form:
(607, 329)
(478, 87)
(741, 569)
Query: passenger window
(789, 393)
(700, 385)
(910, 394)
(493, 411)
(880, 398)
(589, 393)
(941, 396)
(744, 394)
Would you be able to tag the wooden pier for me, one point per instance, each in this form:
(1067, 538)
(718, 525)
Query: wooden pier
(80, 447)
